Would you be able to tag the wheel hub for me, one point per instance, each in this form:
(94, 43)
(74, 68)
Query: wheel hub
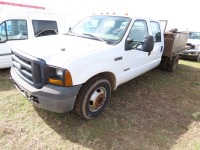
(97, 99)
(100, 100)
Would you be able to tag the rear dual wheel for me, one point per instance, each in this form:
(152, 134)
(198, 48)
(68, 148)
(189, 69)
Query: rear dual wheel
(172, 64)
(198, 58)
(93, 97)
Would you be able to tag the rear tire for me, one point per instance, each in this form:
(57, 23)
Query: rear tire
(93, 98)
(198, 58)
(172, 64)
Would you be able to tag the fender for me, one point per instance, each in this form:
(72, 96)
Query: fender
(87, 73)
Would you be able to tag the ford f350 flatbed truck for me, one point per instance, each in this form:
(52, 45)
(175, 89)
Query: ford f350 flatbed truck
(77, 71)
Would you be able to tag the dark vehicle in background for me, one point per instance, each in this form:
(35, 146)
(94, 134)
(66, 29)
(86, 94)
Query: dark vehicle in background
(193, 47)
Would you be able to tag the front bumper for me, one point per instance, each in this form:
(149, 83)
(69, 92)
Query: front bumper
(50, 97)
(191, 54)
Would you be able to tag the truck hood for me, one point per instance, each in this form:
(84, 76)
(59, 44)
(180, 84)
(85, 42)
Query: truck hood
(56, 50)
(194, 41)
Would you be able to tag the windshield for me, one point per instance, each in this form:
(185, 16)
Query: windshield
(103, 28)
(194, 35)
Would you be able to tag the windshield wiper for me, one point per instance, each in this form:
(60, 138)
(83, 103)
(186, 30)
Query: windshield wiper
(95, 37)
(70, 32)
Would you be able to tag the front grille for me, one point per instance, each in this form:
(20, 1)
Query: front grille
(29, 68)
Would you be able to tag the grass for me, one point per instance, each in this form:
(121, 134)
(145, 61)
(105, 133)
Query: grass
(156, 111)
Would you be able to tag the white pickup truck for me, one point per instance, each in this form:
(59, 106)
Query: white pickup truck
(78, 71)
(193, 49)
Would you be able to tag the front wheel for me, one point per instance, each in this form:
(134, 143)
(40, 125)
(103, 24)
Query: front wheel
(93, 97)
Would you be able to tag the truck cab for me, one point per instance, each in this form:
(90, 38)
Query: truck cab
(77, 71)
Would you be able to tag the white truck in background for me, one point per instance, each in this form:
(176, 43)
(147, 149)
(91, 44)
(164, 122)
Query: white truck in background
(193, 49)
(77, 71)
(21, 22)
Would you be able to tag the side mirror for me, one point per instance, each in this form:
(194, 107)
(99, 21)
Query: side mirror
(148, 43)
(127, 43)
(69, 30)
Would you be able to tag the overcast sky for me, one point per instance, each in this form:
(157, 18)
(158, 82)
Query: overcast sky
(181, 14)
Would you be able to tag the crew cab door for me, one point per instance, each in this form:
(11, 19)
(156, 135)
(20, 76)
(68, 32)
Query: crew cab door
(157, 33)
(135, 60)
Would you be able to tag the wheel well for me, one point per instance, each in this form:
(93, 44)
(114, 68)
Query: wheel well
(110, 77)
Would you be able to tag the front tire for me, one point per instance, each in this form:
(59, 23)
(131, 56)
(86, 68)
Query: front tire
(93, 97)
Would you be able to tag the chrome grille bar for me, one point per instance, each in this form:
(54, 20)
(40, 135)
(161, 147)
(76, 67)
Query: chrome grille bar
(29, 68)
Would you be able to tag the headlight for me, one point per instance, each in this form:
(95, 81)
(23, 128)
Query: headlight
(58, 76)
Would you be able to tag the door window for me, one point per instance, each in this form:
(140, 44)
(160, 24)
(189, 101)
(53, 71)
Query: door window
(156, 32)
(44, 27)
(13, 30)
(3, 37)
(137, 34)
